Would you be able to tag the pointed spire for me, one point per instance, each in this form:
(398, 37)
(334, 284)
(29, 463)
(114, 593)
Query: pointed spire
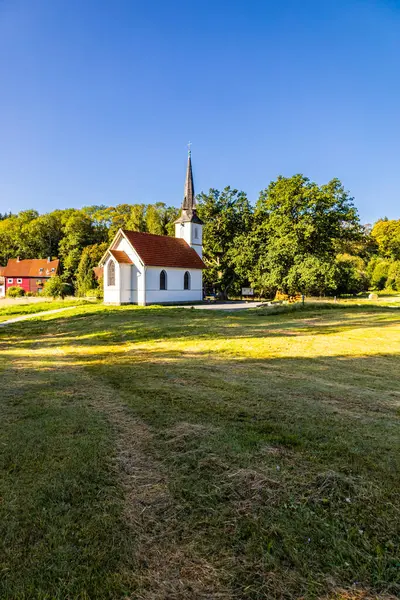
(188, 213)
(189, 200)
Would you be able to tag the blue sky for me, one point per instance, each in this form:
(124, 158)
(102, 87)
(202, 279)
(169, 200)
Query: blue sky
(98, 99)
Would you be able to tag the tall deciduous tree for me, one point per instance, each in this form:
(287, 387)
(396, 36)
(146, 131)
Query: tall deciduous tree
(227, 216)
(297, 227)
(78, 233)
(85, 279)
(387, 235)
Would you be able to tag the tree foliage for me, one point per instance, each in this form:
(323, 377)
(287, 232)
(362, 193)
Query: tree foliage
(85, 279)
(227, 216)
(387, 236)
(56, 287)
(299, 237)
(297, 228)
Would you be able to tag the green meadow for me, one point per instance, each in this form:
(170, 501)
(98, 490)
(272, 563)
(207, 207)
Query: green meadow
(167, 453)
(10, 309)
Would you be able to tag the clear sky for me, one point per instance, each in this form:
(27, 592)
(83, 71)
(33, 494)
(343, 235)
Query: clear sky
(98, 99)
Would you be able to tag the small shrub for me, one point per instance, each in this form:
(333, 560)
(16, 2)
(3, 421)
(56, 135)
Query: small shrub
(56, 288)
(30, 294)
(15, 291)
(95, 293)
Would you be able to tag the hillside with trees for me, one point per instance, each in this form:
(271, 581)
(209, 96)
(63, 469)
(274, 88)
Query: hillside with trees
(299, 237)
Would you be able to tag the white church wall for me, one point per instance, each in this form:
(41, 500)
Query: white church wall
(111, 293)
(129, 284)
(131, 276)
(174, 291)
(192, 233)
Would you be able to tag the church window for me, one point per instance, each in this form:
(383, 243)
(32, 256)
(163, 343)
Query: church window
(186, 281)
(163, 280)
(196, 233)
(111, 273)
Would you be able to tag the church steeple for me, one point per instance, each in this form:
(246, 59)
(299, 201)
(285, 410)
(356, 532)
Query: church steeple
(188, 213)
(188, 197)
(189, 226)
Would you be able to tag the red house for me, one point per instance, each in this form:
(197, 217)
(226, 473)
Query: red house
(30, 274)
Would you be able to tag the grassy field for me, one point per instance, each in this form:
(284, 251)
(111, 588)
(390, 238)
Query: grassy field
(187, 454)
(10, 309)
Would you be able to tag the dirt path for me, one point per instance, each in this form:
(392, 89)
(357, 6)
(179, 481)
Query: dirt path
(167, 567)
(34, 315)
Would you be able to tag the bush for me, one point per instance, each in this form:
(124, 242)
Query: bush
(351, 275)
(56, 287)
(393, 280)
(30, 294)
(379, 270)
(15, 292)
(95, 293)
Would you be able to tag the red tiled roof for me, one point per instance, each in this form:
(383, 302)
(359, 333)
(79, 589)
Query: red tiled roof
(121, 257)
(2, 271)
(31, 267)
(164, 251)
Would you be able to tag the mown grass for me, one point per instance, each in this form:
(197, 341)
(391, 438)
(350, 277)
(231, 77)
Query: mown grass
(10, 311)
(275, 439)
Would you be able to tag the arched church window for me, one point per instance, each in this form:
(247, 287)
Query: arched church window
(186, 281)
(163, 280)
(111, 273)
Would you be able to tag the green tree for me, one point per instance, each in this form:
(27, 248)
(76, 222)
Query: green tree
(85, 279)
(153, 220)
(378, 270)
(351, 276)
(227, 216)
(298, 226)
(43, 235)
(56, 287)
(119, 217)
(393, 278)
(387, 236)
(137, 218)
(78, 233)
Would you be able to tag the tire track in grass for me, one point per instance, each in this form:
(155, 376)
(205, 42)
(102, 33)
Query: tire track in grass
(165, 566)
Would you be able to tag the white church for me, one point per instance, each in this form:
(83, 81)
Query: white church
(143, 268)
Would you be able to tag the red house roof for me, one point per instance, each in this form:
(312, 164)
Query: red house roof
(164, 251)
(32, 267)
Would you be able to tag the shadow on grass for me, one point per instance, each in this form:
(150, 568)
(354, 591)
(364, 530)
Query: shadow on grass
(109, 326)
(284, 470)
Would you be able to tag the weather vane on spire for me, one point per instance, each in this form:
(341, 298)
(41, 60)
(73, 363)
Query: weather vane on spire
(189, 148)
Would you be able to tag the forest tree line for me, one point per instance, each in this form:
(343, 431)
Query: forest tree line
(299, 237)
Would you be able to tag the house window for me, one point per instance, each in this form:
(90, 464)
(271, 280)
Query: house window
(196, 233)
(9, 280)
(41, 270)
(19, 280)
(186, 281)
(111, 273)
(163, 280)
